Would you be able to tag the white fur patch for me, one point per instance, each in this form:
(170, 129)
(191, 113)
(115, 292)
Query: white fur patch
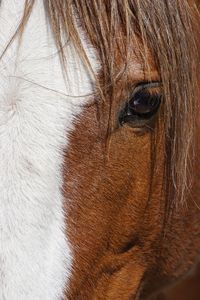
(35, 255)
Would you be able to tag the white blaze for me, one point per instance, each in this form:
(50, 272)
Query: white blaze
(35, 256)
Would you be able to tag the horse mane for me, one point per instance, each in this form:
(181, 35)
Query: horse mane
(165, 27)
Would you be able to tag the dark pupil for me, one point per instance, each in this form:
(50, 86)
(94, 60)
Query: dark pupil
(142, 106)
(144, 103)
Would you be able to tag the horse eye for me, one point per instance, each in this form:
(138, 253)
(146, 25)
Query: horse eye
(142, 105)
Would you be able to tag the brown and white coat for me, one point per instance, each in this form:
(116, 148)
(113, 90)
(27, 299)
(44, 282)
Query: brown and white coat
(81, 216)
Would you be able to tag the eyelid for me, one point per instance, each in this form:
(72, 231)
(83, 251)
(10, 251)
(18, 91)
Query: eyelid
(146, 85)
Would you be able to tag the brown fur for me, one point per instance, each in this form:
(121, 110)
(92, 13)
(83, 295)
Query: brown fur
(112, 26)
(122, 181)
(115, 228)
(165, 28)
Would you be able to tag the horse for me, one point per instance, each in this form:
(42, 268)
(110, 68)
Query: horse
(99, 153)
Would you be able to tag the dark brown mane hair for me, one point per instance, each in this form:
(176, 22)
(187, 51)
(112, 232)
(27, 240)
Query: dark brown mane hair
(164, 27)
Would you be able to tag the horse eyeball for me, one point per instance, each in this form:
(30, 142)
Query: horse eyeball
(142, 105)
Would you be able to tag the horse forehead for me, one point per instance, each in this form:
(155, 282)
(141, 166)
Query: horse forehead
(32, 77)
(38, 106)
(38, 59)
(33, 87)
